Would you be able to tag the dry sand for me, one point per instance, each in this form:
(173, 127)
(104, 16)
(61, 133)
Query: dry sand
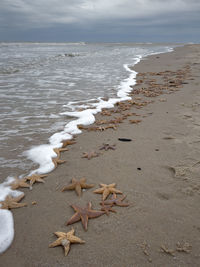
(164, 193)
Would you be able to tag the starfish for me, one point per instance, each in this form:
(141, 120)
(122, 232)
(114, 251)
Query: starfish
(107, 146)
(65, 240)
(57, 161)
(68, 142)
(36, 178)
(84, 214)
(106, 190)
(58, 150)
(12, 202)
(17, 183)
(115, 201)
(90, 155)
(135, 121)
(77, 186)
(107, 208)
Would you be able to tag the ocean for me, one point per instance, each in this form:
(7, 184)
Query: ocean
(41, 81)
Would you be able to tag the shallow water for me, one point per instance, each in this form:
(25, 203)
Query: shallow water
(39, 81)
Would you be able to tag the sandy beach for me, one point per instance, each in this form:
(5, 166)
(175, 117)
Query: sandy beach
(157, 171)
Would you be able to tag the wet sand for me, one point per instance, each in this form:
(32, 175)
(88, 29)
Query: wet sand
(158, 171)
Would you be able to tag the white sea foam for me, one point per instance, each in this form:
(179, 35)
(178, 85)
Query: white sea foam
(6, 229)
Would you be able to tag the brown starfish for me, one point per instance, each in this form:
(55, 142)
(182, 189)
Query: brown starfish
(84, 214)
(65, 240)
(135, 121)
(115, 201)
(58, 150)
(12, 202)
(90, 155)
(68, 142)
(17, 183)
(107, 208)
(106, 190)
(77, 186)
(36, 178)
(57, 161)
(107, 146)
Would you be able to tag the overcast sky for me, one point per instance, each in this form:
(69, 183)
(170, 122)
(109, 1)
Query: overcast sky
(100, 20)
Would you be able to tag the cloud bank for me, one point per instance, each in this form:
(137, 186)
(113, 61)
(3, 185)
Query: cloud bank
(89, 14)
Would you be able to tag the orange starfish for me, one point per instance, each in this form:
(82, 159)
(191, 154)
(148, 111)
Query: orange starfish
(12, 202)
(106, 190)
(17, 183)
(57, 161)
(84, 214)
(65, 240)
(35, 178)
(77, 186)
(90, 155)
(115, 201)
(68, 142)
(58, 150)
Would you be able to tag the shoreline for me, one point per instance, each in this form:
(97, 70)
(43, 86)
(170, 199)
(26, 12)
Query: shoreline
(45, 147)
(118, 166)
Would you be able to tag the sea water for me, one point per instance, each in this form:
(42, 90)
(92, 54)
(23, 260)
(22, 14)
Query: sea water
(43, 86)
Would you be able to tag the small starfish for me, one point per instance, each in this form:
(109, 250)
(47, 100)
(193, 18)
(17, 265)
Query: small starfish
(58, 150)
(135, 121)
(107, 208)
(111, 126)
(65, 240)
(107, 146)
(90, 155)
(68, 142)
(106, 190)
(115, 201)
(35, 178)
(17, 183)
(77, 186)
(84, 214)
(57, 161)
(12, 202)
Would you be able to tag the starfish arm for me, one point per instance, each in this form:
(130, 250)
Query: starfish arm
(75, 239)
(40, 180)
(56, 243)
(59, 161)
(95, 213)
(75, 218)
(43, 175)
(112, 185)
(120, 204)
(63, 149)
(113, 190)
(78, 189)
(82, 180)
(16, 205)
(67, 248)
(84, 220)
(68, 187)
(106, 193)
(17, 199)
(60, 234)
(106, 202)
(98, 191)
(87, 186)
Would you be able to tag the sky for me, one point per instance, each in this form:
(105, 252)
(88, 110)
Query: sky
(100, 20)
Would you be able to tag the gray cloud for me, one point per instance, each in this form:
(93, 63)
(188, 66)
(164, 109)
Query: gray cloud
(24, 15)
